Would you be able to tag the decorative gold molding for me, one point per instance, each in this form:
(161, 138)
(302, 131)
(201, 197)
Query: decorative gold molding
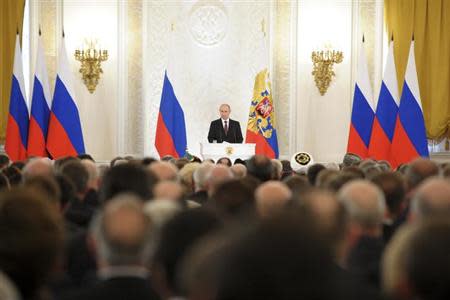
(91, 59)
(323, 67)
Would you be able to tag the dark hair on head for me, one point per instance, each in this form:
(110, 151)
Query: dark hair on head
(13, 174)
(340, 180)
(419, 170)
(18, 164)
(181, 162)
(261, 167)
(167, 158)
(112, 163)
(32, 239)
(196, 159)
(67, 189)
(47, 186)
(86, 156)
(178, 235)
(224, 161)
(281, 259)
(60, 162)
(394, 188)
(297, 184)
(146, 161)
(250, 182)
(428, 263)
(354, 170)
(287, 169)
(4, 182)
(4, 161)
(313, 171)
(130, 178)
(239, 161)
(233, 199)
(77, 173)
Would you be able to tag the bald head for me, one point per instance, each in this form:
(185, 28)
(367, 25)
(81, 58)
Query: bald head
(364, 203)
(122, 232)
(329, 216)
(218, 175)
(431, 199)
(271, 197)
(419, 170)
(164, 170)
(169, 190)
(239, 171)
(38, 167)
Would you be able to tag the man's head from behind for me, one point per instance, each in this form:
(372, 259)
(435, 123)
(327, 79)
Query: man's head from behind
(122, 232)
(37, 167)
(365, 205)
(416, 262)
(261, 167)
(419, 170)
(127, 178)
(394, 188)
(271, 197)
(431, 199)
(31, 239)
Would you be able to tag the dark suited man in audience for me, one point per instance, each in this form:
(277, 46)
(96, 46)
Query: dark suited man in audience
(122, 236)
(365, 206)
(224, 129)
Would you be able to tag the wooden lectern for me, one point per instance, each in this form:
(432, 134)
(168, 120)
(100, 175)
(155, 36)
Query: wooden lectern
(232, 151)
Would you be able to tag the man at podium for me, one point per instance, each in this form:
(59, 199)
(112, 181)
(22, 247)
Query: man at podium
(224, 129)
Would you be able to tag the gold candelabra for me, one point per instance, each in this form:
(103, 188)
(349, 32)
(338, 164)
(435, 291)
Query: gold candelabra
(323, 67)
(91, 58)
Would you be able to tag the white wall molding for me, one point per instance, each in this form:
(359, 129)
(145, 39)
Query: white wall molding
(294, 142)
(122, 73)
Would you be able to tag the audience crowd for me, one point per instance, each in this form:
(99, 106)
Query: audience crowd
(180, 228)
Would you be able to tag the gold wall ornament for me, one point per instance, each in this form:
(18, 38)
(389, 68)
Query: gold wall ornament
(91, 58)
(323, 67)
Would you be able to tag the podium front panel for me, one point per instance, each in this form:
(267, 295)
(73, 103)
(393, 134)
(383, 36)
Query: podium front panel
(232, 151)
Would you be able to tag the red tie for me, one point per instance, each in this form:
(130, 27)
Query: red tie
(226, 128)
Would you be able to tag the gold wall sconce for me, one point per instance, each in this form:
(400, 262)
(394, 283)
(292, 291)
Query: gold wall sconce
(323, 67)
(91, 57)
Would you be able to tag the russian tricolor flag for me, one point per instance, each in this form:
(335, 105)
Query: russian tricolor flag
(410, 140)
(363, 112)
(171, 128)
(18, 118)
(386, 113)
(65, 137)
(40, 107)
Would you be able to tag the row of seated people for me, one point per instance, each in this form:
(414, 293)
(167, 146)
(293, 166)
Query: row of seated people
(257, 229)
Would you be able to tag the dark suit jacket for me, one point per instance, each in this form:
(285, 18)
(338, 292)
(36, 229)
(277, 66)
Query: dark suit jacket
(216, 132)
(117, 288)
(364, 259)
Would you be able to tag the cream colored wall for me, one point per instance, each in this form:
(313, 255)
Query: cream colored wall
(120, 117)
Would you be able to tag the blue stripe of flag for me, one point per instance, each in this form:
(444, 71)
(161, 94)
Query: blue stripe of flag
(412, 120)
(273, 142)
(66, 112)
(19, 111)
(387, 111)
(362, 116)
(173, 117)
(39, 107)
